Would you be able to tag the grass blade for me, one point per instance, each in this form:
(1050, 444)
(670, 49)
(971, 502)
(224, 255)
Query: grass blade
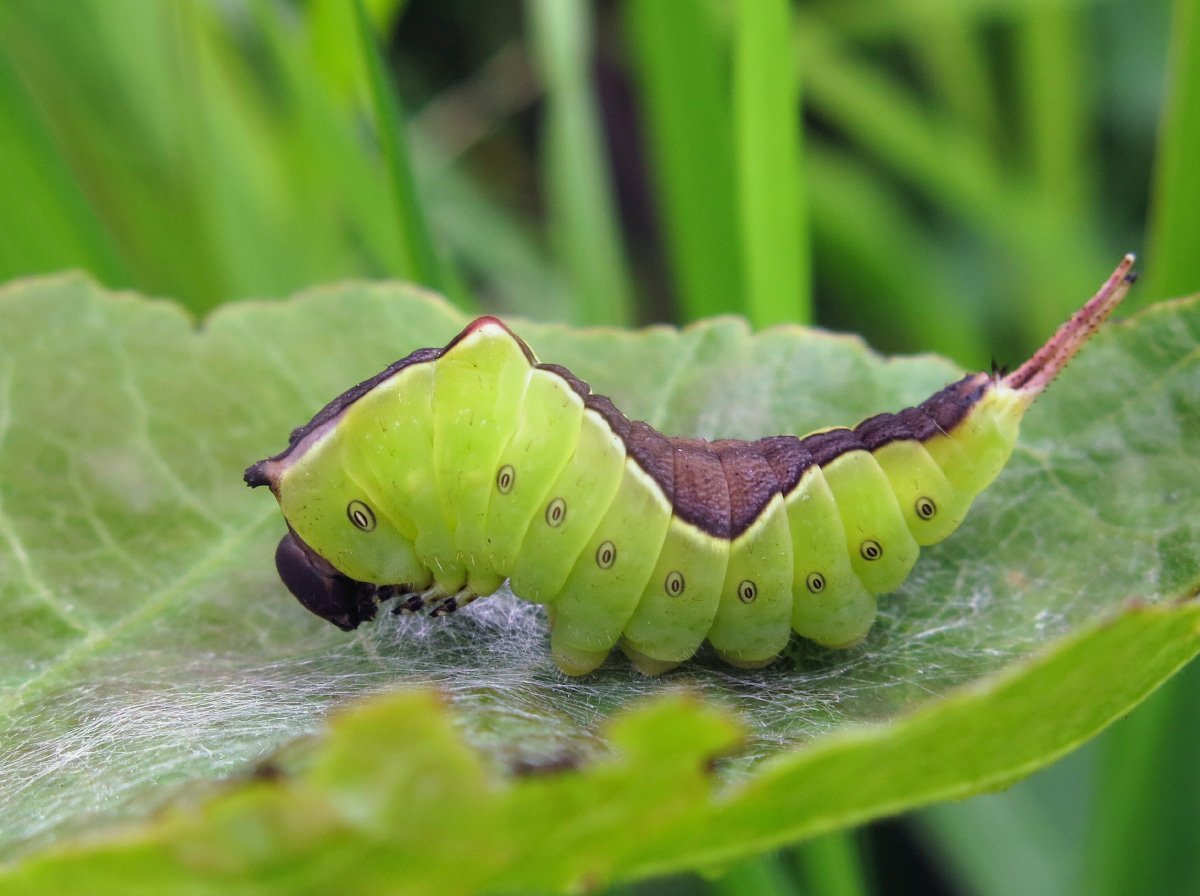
(955, 66)
(935, 310)
(415, 258)
(582, 221)
(773, 234)
(679, 62)
(1173, 264)
(1052, 77)
(58, 228)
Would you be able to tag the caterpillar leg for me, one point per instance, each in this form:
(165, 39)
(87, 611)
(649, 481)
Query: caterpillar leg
(454, 602)
(647, 665)
(838, 617)
(572, 660)
(411, 604)
(438, 601)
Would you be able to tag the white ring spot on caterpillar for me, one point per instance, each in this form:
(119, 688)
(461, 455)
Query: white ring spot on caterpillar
(556, 512)
(505, 478)
(606, 555)
(360, 515)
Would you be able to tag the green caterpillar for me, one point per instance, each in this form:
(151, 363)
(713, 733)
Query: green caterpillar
(458, 468)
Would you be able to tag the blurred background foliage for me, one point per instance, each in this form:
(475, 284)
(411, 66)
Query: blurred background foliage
(945, 176)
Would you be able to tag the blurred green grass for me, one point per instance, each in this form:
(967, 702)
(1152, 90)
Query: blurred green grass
(951, 177)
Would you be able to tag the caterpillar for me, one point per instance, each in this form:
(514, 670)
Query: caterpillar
(458, 468)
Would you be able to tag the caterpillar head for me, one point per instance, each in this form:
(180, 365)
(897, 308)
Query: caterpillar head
(320, 588)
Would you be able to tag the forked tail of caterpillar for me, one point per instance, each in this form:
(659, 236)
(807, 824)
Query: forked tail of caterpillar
(1047, 362)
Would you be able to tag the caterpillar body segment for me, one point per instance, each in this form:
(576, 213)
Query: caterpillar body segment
(606, 585)
(571, 510)
(680, 599)
(478, 384)
(754, 614)
(830, 603)
(550, 406)
(458, 468)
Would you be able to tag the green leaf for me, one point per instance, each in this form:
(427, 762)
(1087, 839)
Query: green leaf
(147, 642)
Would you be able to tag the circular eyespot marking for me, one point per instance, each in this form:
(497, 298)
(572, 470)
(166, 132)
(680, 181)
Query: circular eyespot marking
(674, 583)
(556, 512)
(925, 508)
(606, 555)
(815, 582)
(747, 591)
(870, 550)
(362, 516)
(505, 477)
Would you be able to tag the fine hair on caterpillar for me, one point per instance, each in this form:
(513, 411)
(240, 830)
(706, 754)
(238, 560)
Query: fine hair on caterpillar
(456, 469)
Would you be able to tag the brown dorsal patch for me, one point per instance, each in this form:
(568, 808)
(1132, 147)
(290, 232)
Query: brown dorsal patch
(616, 421)
(701, 493)
(831, 444)
(939, 413)
(918, 423)
(950, 406)
(877, 431)
(652, 451)
(751, 481)
(788, 458)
